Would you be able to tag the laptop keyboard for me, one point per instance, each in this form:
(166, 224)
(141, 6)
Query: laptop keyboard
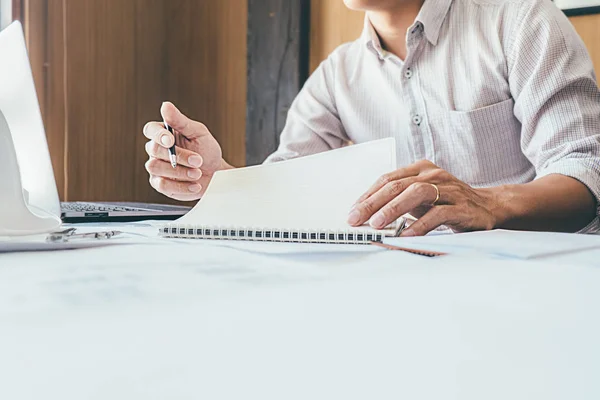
(90, 207)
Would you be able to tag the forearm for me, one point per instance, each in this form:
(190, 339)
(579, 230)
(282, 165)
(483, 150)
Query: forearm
(553, 203)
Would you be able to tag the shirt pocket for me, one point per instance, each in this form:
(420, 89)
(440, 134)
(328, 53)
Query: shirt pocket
(482, 146)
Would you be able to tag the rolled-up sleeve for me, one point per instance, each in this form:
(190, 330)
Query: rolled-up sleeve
(556, 97)
(313, 124)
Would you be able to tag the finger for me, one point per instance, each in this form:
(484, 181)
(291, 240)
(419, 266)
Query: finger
(364, 210)
(161, 168)
(411, 170)
(156, 131)
(193, 197)
(185, 157)
(436, 217)
(182, 124)
(175, 189)
(421, 210)
(416, 195)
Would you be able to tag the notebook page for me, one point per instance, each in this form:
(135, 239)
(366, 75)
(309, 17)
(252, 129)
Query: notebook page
(309, 193)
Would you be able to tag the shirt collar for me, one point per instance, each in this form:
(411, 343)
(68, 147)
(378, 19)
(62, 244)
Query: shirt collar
(371, 39)
(432, 16)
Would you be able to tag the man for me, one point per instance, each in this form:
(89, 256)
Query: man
(493, 104)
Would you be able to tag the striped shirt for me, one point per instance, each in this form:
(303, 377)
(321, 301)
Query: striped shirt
(493, 91)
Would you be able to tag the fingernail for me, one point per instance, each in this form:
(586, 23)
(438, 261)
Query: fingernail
(195, 188)
(195, 161)
(354, 217)
(194, 174)
(408, 233)
(378, 221)
(165, 140)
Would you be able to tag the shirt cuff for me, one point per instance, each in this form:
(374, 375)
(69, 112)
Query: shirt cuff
(586, 172)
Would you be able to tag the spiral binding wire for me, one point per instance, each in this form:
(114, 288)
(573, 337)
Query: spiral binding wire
(270, 235)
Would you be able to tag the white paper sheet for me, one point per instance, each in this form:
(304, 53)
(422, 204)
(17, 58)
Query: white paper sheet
(132, 233)
(502, 243)
(308, 193)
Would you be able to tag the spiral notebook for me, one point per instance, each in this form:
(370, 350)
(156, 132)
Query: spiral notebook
(301, 200)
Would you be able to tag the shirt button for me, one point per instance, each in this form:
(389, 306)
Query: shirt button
(417, 120)
(408, 74)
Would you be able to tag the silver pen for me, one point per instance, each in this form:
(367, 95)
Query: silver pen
(172, 153)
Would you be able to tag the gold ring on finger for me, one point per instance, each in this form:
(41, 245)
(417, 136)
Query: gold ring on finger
(437, 197)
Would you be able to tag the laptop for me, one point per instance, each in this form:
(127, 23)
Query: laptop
(77, 212)
(22, 121)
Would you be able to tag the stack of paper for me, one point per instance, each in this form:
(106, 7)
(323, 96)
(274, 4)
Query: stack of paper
(502, 243)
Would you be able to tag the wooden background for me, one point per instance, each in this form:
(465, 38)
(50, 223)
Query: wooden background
(103, 67)
(332, 24)
(588, 27)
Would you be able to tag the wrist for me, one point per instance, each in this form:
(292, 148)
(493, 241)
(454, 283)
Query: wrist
(503, 205)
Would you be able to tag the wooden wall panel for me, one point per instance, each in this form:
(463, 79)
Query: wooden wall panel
(588, 27)
(54, 102)
(152, 79)
(103, 68)
(102, 123)
(189, 52)
(45, 46)
(332, 24)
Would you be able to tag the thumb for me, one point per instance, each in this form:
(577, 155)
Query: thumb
(182, 124)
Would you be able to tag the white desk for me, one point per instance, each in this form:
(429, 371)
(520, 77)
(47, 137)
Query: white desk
(206, 322)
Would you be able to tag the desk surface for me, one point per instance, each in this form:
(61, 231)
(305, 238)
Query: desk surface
(206, 321)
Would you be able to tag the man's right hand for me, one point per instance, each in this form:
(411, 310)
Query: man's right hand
(199, 156)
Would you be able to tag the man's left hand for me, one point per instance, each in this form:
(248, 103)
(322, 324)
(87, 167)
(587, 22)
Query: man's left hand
(430, 194)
